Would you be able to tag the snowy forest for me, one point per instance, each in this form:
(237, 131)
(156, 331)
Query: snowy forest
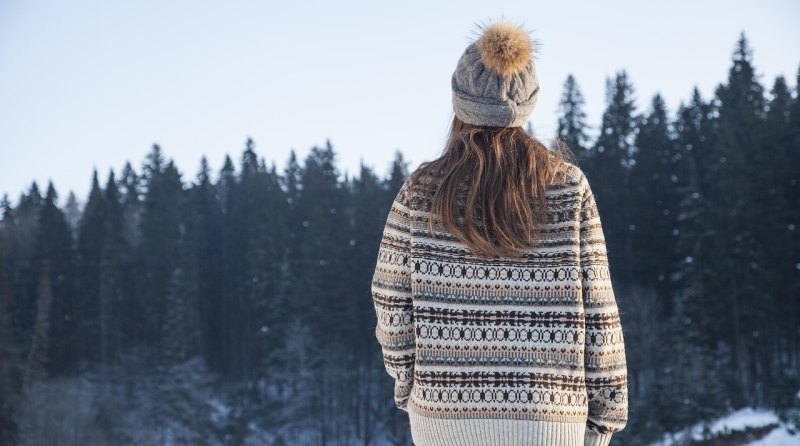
(233, 307)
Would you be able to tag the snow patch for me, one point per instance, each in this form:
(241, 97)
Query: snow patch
(744, 418)
(747, 418)
(778, 437)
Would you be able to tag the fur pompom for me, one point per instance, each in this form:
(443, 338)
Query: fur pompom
(505, 48)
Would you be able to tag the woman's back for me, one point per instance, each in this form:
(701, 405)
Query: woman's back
(503, 351)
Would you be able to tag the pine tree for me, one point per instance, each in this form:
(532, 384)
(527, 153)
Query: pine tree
(691, 341)
(320, 219)
(127, 264)
(323, 293)
(161, 231)
(252, 253)
(152, 168)
(735, 193)
(608, 169)
(572, 126)
(652, 183)
(227, 179)
(21, 226)
(204, 243)
(55, 244)
(775, 233)
(72, 210)
(398, 172)
(129, 188)
(5, 205)
(370, 203)
(293, 262)
(791, 186)
(694, 264)
(91, 235)
(113, 302)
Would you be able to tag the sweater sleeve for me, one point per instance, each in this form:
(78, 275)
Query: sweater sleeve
(392, 298)
(605, 364)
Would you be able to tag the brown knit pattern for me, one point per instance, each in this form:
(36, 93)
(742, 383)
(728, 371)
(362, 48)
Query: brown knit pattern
(537, 338)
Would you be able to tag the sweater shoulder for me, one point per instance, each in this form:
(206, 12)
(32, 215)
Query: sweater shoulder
(567, 174)
(572, 175)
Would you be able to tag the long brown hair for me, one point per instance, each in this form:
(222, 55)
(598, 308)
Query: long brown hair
(492, 175)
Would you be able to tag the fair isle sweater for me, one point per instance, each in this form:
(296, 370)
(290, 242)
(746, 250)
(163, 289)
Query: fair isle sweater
(500, 352)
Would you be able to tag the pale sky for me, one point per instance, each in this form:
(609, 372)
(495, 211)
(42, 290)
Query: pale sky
(91, 84)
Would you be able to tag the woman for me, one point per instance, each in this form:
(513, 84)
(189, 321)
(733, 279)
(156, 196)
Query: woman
(495, 310)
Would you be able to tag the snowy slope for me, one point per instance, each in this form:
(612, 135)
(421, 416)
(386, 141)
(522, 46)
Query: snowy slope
(742, 420)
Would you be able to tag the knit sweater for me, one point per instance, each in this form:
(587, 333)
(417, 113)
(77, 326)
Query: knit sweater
(495, 352)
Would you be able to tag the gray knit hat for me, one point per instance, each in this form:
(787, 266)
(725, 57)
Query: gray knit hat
(495, 81)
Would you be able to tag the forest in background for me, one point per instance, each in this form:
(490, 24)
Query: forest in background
(233, 307)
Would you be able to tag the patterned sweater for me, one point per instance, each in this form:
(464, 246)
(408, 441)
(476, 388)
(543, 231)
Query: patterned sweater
(502, 351)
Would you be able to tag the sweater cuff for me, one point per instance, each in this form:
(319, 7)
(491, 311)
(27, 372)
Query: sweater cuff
(593, 438)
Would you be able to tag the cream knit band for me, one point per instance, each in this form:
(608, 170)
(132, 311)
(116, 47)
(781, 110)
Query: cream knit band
(427, 431)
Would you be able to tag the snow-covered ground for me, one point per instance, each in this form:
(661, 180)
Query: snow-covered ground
(779, 437)
(741, 420)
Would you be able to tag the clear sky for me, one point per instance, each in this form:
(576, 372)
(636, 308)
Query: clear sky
(91, 84)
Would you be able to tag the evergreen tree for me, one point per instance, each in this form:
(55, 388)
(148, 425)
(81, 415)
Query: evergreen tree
(322, 293)
(91, 235)
(127, 264)
(129, 188)
(371, 199)
(55, 244)
(398, 172)
(320, 220)
(694, 265)
(227, 180)
(293, 263)
(22, 226)
(114, 303)
(225, 189)
(204, 246)
(608, 169)
(5, 205)
(161, 228)
(653, 186)
(277, 306)
(790, 184)
(291, 179)
(775, 233)
(572, 126)
(253, 262)
(152, 168)
(367, 202)
(72, 211)
(735, 192)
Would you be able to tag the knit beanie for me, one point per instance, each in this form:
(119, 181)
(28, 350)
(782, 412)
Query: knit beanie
(495, 81)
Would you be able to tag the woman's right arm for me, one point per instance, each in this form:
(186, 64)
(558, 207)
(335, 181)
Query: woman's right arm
(605, 365)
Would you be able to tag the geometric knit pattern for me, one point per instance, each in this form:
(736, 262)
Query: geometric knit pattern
(531, 349)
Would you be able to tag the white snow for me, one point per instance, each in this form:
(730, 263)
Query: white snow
(778, 437)
(737, 421)
(744, 418)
